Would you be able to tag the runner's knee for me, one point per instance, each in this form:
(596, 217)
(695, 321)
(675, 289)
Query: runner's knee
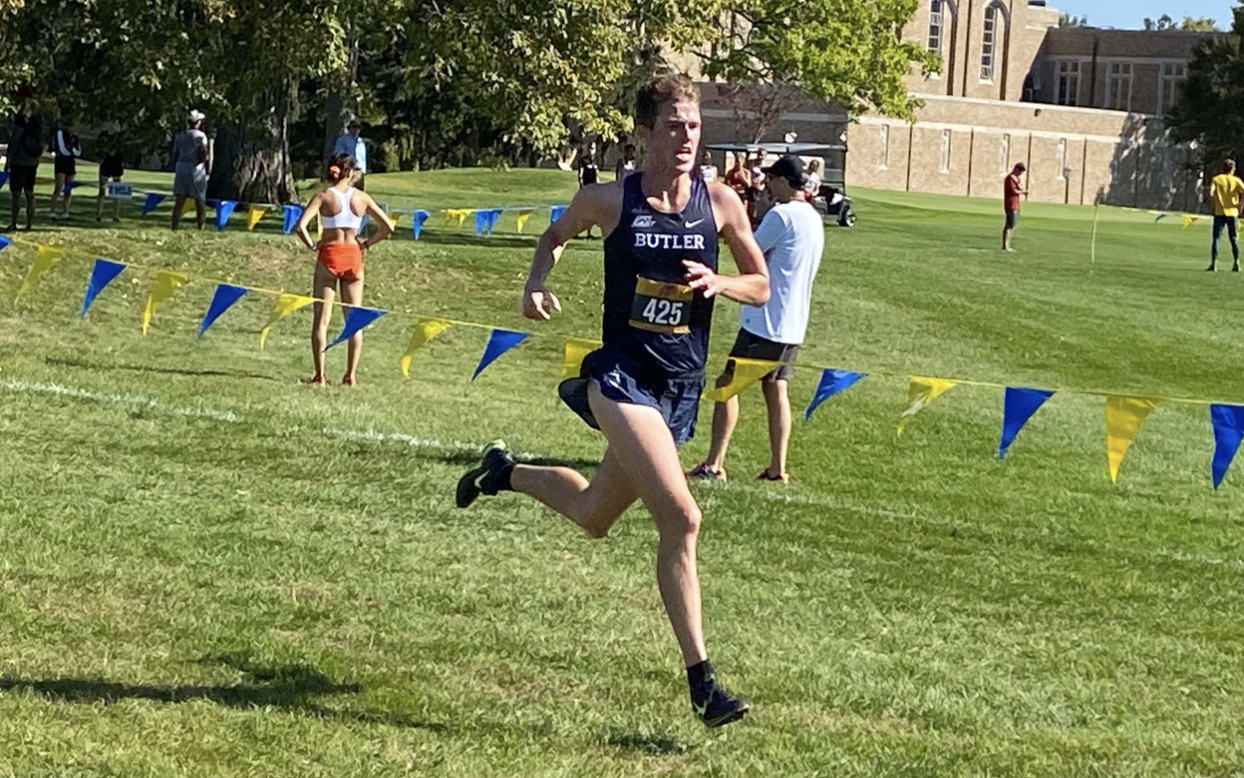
(681, 522)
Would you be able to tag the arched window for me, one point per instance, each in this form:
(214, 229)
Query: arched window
(935, 26)
(989, 35)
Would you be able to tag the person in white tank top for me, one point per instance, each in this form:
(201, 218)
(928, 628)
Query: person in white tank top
(339, 256)
(708, 171)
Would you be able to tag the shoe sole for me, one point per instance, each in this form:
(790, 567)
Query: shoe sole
(728, 718)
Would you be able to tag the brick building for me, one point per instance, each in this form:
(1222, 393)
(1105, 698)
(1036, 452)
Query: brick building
(1082, 107)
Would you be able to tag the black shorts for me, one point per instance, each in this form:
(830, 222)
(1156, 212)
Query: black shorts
(22, 177)
(677, 400)
(65, 166)
(1012, 218)
(751, 346)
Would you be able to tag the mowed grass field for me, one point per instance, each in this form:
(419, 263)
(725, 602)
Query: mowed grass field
(208, 568)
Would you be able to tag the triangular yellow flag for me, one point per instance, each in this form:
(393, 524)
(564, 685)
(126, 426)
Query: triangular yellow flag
(285, 305)
(920, 392)
(457, 213)
(523, 216)
(572, 357)
(1124, 415)
(46, 258)
(1188, 221)
(425, 329)
(253, 216)
(166, 282)
(396, 217)
(746, 373)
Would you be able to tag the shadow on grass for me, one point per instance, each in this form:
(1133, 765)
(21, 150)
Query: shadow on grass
(287, 687)
(654, 743)
(85, 365)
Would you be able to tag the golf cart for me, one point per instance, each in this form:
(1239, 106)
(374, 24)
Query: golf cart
(832, 199)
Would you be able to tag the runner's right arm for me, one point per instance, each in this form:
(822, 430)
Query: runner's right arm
(591, 206)
(310, 212)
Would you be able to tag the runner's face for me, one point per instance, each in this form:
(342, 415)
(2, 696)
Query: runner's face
(675, 136)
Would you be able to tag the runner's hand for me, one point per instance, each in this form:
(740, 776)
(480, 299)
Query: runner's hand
(538, 302)
(702, 277)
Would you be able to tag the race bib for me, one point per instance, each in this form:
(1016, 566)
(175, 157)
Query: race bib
(661, 306)
(119, 191)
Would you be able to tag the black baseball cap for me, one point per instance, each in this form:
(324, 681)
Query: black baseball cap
(789, 167)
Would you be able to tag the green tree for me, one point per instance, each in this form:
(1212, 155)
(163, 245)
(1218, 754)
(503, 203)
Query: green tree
(1210, 108)
(849, 52)
(1165, 23)
(1071, 20)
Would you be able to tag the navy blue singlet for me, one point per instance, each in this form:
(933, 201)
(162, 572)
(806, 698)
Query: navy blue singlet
(652, 320)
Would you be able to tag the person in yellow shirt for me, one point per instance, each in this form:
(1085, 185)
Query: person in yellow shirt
(1226, 192)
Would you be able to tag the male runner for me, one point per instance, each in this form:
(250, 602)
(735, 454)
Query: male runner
(642, 388)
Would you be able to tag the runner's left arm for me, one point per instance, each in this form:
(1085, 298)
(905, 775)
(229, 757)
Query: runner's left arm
(751, 285)
(385, 227)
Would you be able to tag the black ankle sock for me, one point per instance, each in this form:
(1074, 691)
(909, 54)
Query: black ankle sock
(700, 679)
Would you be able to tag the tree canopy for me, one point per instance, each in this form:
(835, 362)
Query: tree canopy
(439, 81)
(1210, 108)
(1165, 23)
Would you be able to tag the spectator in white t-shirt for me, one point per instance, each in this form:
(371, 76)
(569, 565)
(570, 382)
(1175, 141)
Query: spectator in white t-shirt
(792, 237)
(350, 143)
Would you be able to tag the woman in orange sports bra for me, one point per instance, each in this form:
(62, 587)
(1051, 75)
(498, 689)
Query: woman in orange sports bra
(339, 256)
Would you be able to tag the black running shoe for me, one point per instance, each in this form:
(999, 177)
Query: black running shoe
(483, 479)
(720, 707)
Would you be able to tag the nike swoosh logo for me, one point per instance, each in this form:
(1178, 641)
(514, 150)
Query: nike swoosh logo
(699, 709)
(690, 225)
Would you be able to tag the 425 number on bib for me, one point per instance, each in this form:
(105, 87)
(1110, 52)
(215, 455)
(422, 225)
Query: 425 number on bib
(661, 307)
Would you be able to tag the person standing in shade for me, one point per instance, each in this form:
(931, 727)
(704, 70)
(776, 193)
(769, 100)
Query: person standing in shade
(111, 170)
(792, 238)
(65, 152)
(737, 177)
(589, 173)
(642, 387)
(1225, 193)
(1011, 192)
(708, 171)
(626, 165)
(24, 151)
(350, 143)
(190, 156)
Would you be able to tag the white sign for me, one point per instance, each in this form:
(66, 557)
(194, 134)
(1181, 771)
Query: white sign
(119, 191)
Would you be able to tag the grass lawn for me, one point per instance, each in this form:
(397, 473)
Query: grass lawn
(210, 569)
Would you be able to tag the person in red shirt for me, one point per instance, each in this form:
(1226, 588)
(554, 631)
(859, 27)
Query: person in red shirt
(1011, 192)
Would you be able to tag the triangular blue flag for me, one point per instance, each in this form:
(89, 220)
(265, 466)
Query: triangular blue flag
(481, 222)
(1160, 217)
(292, 214)
(102, 274)
(224, 210)
(556, 212)
(499, 342)
(149, 205)
(1018, 405)
(357, 318)
(494, 216)
(222, 299)
(1228, 423)
(417, 218)
(4, 178)
(832, 382)
(71, 185)
(4, 242)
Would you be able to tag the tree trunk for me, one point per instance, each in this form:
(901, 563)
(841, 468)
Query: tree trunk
(336, 106)
(251, 163)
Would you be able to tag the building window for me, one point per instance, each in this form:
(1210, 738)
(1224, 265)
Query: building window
(945, 161)
(1032, 89)
(1119, 92)
(935, 26)
(988, 34)
(1004, 154)
(1061, 160)
(883, 159)
(1173, 74)
(1068, 83)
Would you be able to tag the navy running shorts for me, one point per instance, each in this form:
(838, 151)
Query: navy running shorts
(677, 400)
